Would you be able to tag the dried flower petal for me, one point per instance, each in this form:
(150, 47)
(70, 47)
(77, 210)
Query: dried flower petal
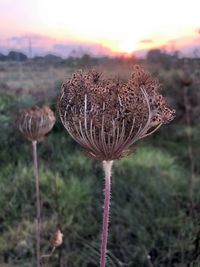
(34, 123)
(106, 116)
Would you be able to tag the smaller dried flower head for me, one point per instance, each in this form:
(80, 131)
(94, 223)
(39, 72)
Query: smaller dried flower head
(57, 238)
(106, 116)
(186, 79)
(34, 123)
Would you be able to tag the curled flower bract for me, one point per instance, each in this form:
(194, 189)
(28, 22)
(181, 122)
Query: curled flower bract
(34, 123)
(106, 117)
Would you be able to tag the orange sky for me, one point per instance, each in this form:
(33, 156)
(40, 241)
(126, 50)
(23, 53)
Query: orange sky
(121, 25)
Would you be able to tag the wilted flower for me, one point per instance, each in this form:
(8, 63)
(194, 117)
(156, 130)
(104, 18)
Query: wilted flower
(106, 117)
(185, 78)
(56, 241)
(57, 238)
(34, 123)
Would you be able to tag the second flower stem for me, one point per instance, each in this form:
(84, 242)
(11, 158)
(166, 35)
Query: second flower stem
(107, 166)
(37, 192)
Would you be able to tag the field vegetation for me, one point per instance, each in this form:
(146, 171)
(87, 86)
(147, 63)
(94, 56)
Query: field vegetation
(155, 206)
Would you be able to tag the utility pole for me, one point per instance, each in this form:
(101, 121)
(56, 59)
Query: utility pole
(30, 48)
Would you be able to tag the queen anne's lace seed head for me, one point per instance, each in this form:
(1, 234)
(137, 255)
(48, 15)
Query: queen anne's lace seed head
(34, 123)
(106, 116)
(185, 78)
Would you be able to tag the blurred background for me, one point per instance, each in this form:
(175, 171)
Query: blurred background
(155, 205)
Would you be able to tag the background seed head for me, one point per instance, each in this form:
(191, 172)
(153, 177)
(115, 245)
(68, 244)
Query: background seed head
(34, 123)
(186, 79)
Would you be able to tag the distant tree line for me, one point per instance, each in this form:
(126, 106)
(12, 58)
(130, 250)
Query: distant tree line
(13, 56)
(86, 59)
(152, 56)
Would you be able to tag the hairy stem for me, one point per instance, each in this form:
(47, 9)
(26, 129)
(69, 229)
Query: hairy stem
(37, 192)
(107, 166)
(190, 148)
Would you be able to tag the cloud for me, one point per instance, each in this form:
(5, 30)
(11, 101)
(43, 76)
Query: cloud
(146, 41)
(33, 38)
(41, 45)
(70, 49)
(79, 49)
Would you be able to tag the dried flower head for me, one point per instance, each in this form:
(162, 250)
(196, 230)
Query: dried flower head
(57, 238)
(106, 116)
(186, 79)
(34, 123)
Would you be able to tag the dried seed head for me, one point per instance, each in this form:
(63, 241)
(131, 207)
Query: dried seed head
(186, 79)
(57, 238)
(106, 116)
(34, 123)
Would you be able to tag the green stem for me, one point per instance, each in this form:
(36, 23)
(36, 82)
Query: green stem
(37, 192)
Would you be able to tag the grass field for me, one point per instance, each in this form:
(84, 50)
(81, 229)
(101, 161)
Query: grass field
(152, 223)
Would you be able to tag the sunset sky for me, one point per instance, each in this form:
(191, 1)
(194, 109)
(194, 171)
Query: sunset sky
(110, 26)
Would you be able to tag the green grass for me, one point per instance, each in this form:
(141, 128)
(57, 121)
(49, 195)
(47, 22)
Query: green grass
(150, 211)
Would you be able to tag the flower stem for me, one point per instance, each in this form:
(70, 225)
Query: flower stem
(190, 148)
(37, 192)
(107, 166)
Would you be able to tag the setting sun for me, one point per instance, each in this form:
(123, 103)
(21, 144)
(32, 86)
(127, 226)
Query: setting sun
(127, 47)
